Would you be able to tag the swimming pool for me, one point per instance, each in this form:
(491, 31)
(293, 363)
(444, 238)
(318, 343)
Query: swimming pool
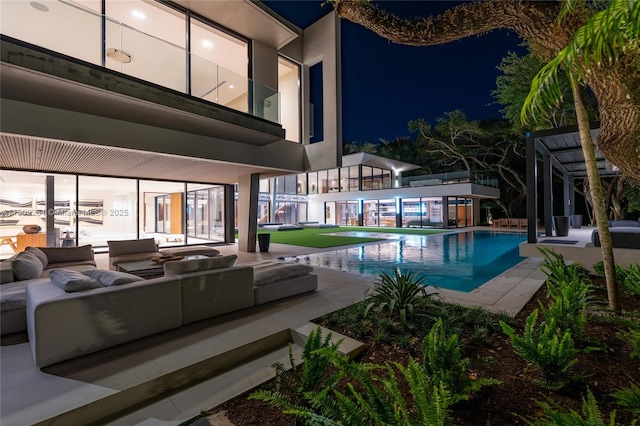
(456, 261)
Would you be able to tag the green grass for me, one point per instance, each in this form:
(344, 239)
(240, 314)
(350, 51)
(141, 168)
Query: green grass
(316, 238)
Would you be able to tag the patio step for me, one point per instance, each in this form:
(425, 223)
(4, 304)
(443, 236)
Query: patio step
(182, 394)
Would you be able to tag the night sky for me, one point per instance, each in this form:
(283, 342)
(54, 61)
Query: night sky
(385, 85)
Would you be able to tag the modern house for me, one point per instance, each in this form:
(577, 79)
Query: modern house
(129, 118)
(370, 190)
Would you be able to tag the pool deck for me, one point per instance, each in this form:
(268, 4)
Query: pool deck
(72, 392)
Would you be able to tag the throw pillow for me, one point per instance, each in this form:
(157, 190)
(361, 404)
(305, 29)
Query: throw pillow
(110, 278)
(39, 254)
(26, 266)
(178, 267)
(72, 281)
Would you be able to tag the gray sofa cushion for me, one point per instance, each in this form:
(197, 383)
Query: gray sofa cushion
(628, 223)
(26, 266)
(178, 267)
(120, 247)
(72, 281)
(68, 254)
(109, 278)
(267, 273)
(39, 254)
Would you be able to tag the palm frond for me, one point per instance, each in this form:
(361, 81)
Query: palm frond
(605, 36)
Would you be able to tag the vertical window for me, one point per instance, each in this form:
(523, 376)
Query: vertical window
(316, 99)
(313, 182)
(344, 179)
(367, 183)
(334, 180)
(354, 178)
(219, 66)
(302, 184)
(370, 213)
(160, 58)
(323, 180)
(289, 89)
(107, 210)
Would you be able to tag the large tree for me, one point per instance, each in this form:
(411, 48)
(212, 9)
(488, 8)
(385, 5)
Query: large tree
(616, 83)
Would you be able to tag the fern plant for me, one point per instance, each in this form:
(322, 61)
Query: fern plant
(292, 384)
(373, 399)
(545, 346)
(631, 283)
(591, 415)
(567, 307)
(557, 271)
(398, 291)
(621, 272)
(629, 398)
(443, 362)
(632, 337)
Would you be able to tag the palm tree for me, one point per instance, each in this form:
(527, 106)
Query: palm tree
(597, 44)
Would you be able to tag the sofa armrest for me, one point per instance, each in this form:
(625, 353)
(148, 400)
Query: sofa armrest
(63, 326)
(6, 273)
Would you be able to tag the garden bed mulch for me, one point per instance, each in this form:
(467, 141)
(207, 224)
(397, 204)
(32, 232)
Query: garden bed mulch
(513, 400)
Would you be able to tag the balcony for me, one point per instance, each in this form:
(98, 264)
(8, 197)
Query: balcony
(83, 34)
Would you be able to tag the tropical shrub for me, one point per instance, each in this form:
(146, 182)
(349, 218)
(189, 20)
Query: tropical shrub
(591, 415)
(443, 362)
(398, 291)
(545, 346)
(567, 307)
(629, 398)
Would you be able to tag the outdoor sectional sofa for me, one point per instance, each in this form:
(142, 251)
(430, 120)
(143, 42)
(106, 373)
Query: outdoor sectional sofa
(23, 269)
(63, 326)
(624, 234)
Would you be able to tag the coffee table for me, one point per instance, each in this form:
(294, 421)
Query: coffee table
(148, 268)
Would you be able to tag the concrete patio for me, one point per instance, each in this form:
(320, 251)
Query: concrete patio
(173, 376)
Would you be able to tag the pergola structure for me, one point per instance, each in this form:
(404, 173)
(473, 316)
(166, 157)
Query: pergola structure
(560, 149)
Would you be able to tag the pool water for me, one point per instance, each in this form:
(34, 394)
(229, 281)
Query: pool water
(456, 261)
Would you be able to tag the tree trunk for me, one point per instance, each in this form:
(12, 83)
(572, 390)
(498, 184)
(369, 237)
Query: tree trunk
(597, 195)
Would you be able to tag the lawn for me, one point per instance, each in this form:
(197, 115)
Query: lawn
(318, 238)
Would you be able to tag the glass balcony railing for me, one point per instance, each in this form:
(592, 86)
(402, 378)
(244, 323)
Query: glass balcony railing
(450, 178)
(78, 32)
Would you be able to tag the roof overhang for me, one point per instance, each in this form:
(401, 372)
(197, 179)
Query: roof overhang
(252, 19)
(564, 146)
(372, 160)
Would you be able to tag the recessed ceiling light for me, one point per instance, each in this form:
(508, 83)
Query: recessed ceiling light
(231, 86)
(207, 44)
(39, 6)
(118, 55)
(138, 14)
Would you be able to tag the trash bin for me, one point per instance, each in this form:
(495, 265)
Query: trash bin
(576, 221)
(263, 242)
(562, 225)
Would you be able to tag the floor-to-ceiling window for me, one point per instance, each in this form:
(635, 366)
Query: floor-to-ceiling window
(107, 210)
(387, 209)
(205, 212)
(289, 89)
(370, 213)
(412, 213)
(160, 58)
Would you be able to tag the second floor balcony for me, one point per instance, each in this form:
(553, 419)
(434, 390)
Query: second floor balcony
(75, 30)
